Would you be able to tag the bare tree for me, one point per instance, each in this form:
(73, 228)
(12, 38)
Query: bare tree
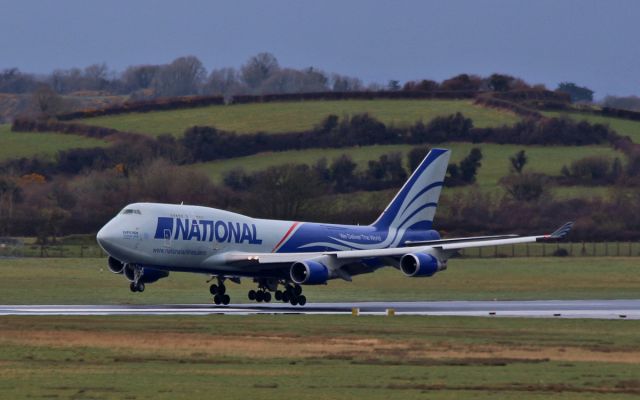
(46, 102)
(224, 81)
(258, 69)
(182, 77)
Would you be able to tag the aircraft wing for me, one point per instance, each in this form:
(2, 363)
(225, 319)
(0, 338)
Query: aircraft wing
(446, 245)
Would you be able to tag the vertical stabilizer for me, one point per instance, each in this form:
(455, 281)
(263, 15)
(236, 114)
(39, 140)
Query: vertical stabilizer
(414, 206)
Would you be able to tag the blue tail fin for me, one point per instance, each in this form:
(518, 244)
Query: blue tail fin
(415, 204)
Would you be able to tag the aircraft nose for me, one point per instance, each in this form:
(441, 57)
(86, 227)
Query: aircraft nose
(105, 236)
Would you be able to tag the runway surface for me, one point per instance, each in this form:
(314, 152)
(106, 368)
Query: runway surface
(600, 309)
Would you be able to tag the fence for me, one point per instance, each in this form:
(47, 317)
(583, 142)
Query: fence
(569, 249)
(44, 251)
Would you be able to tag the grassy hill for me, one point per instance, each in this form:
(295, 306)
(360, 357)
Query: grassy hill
(620, 125)
(495, 164)
(297, 116)
(26, 144)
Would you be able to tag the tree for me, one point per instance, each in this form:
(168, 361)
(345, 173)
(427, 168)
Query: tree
(416, 155)
(139, 77)
(525, 187)
(342, 173)
(343, 83)
(258, 69)
(46, 102)
(393, 85)
(577, 93)
(224, 81)
(518, 161)
(182, 77)
(500, 83)
(462, 82)
(283, 192)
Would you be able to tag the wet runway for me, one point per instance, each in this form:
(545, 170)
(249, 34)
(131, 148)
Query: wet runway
(599, 309)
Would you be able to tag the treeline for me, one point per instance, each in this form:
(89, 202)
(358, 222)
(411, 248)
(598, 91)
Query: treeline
(33, 205)
(201, 144)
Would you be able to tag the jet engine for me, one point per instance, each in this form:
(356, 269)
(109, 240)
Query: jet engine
(147, 275)
(420, 264)
(115, 266)
(309, 273)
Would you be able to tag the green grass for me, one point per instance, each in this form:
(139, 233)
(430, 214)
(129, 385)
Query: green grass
(27, 144)
(317, 357)
(495, 162)
(297, 116)
(87, 281)
(625, 127)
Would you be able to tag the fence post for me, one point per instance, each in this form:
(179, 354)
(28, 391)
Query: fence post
(513, 250)
(544, 247)
(527, 249)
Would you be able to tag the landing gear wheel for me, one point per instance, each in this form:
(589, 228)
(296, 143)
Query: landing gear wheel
(132, 287)
(294, 301)
(259, 296)
(252, 295)
(217, 299)
(267, 297)
(278, 295)
(213, 289)
(297, 290)
(222, 289)
(140, 287)
(226, 299)
(285, 297)
(302, 300)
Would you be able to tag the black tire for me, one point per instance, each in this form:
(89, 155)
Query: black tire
(252, 295)
(217, 299)
(222, 289)
(140, 287)
(213, 289)
(297, 290)
(285, 297)
(294, 301)
(267, 297)
(302, 300)
(278, 295)
(259, 296)
(132, 287)
(226, 299)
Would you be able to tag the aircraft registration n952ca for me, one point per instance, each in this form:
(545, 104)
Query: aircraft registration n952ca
(147, 241)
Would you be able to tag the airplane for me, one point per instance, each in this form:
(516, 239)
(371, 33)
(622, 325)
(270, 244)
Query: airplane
(147, 241)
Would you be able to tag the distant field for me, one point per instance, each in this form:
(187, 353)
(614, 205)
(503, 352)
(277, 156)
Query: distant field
(87, 281)
(623, 126)
(296, 116)
(495, 163)
(27, 144)
(317, 357)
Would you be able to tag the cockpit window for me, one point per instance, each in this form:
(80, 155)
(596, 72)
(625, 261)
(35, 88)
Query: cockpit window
(131, 211)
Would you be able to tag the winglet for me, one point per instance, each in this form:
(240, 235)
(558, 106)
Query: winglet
(561, 232)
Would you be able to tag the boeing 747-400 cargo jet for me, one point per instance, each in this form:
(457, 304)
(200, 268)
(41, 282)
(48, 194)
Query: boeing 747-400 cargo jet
(146, 241)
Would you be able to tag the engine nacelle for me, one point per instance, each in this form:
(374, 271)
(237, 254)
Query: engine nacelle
(148, 275)
(309, 273)
(420, 264)
(115, 266)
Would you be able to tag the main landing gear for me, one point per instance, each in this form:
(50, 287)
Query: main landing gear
(291, 294)
(219, 292)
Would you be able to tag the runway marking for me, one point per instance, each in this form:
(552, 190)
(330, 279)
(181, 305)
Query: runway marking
(600, 309)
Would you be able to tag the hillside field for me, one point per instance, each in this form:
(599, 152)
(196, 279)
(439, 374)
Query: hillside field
(625, 127)
(495, 162)
(298, 116)
(27, 144)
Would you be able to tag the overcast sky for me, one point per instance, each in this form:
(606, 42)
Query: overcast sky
(592, 43)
